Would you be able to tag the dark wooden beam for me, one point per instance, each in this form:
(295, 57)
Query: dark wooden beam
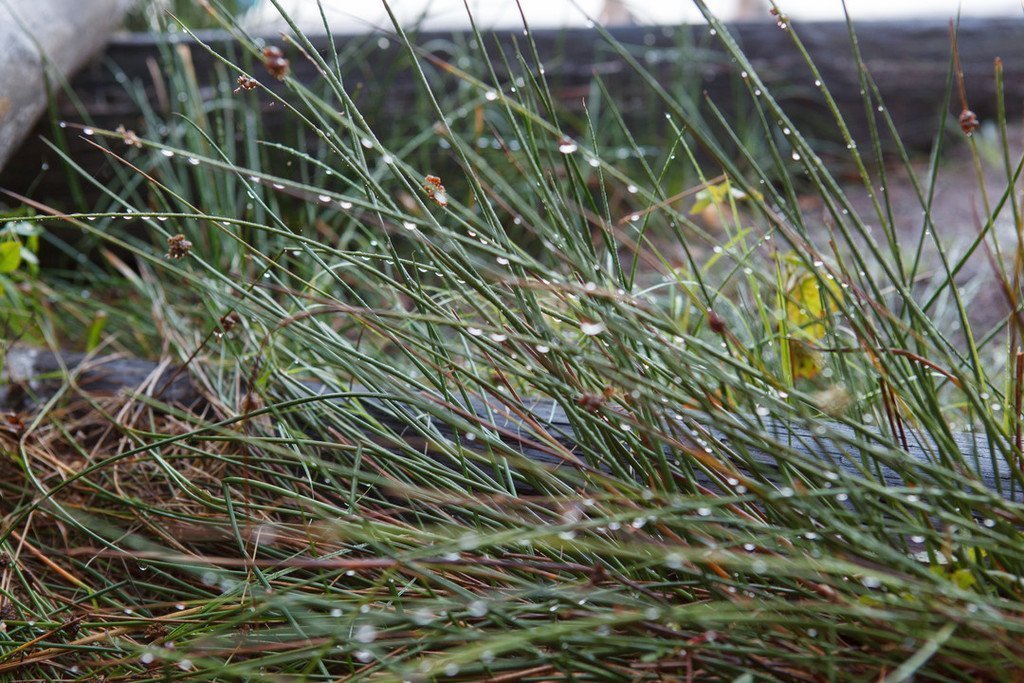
(908, 60)
(32, 375)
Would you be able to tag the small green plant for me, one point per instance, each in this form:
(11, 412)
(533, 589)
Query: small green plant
(496, 393)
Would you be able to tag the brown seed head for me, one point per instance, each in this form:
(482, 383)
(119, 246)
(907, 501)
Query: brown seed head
(130, 138)
(178, 247)
(246, 83)
(968, 121)
(435, 190)
(276, 64)
(228, 322)
(716, 323)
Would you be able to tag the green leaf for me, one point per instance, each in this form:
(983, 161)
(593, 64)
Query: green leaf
(10, 256)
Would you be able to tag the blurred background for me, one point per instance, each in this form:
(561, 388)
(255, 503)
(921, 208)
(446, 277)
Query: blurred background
(345, 15)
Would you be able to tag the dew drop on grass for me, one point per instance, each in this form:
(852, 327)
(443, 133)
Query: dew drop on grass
(87, 131)
(364, 655)
(147, 658)
(567, 146)
(346, 205)
(594, 162)
(324, 198)
(673, 561)
(63, 124)
(193, 161)
(474, 331)
(704, 511)
(408, 225)
(871, 582)
(366, 633)
(817, 83)
(502, 261)
(367, 143)
(592, 329)
(796, 156)
(490, 96)
(185, 664)
(167, 153)
(277, 186)
(632, 189)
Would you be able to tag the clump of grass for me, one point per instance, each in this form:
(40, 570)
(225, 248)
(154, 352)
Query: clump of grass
(557, 425)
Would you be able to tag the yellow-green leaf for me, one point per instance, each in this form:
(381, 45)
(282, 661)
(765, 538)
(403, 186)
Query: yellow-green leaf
(10, 256)
(807, 307)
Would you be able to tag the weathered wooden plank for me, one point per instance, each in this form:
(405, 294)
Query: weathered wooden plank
(908, 60)
(30, 375)
(42, 42)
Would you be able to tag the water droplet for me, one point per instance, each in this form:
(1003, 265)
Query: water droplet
(367, 143)
(193, 161)
(490, 96)
(346, 205)
(502, 261)
(408, 225)
(167, 153)
(632, 189)
(796, 156)
(704, 511)
(87, 131)
(567, 146)
(592, 329)
(366, 633)
(324, 198)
